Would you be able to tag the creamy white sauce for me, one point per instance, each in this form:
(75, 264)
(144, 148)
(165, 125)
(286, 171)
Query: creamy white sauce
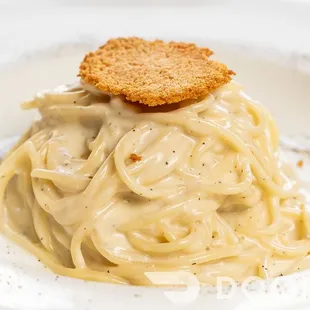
(208, 194)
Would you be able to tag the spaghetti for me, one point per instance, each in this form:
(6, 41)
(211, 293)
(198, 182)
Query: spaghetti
(207, 192)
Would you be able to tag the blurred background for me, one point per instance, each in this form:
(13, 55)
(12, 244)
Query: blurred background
(133, 2)
(282, 24)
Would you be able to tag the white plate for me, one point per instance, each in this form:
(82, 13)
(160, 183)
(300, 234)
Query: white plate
(26, 284)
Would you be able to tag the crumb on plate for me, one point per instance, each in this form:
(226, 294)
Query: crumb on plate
(300, 163)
